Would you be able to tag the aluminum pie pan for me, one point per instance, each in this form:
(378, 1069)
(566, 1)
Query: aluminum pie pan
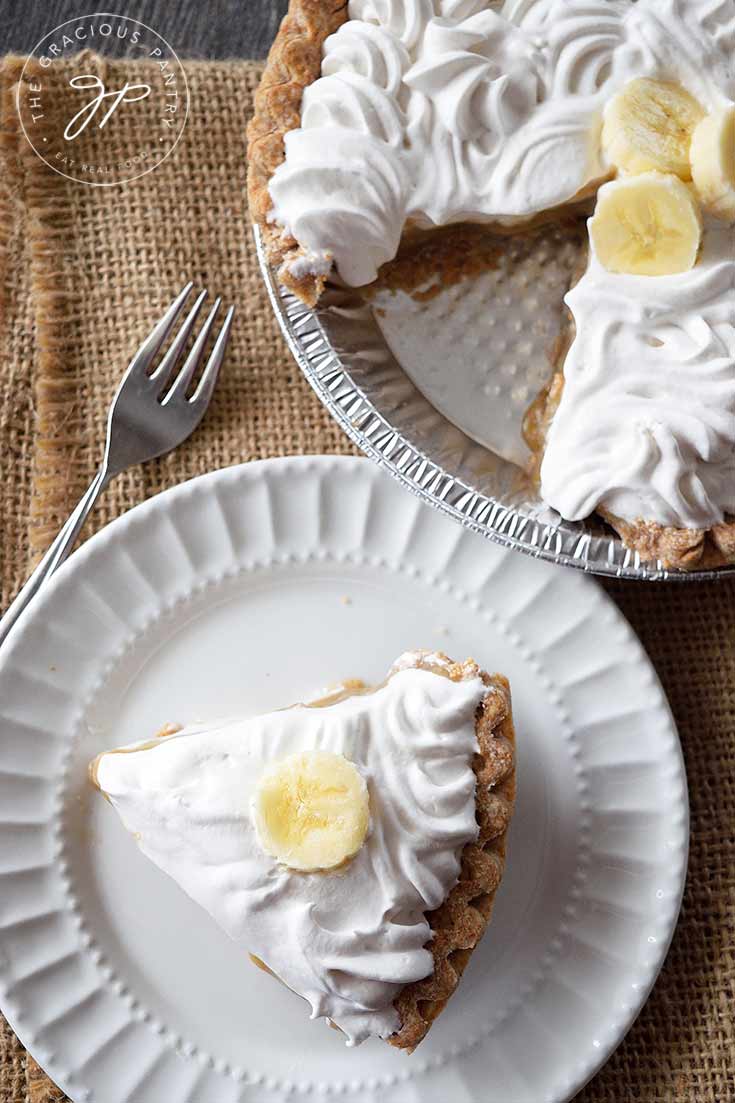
(342, 353)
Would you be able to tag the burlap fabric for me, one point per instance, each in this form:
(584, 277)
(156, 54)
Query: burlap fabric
(84, 272)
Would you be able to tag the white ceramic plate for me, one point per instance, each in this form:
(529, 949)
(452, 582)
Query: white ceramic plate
(247, 589)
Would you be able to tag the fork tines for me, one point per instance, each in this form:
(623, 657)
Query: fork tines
(172, 387)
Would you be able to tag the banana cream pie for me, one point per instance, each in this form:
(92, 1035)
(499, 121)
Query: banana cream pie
(352, 846)
(381, 122)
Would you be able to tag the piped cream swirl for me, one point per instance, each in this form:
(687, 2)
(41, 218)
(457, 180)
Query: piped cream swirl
(404, 19)
(367, 51)
(349, 210)
(479, 74)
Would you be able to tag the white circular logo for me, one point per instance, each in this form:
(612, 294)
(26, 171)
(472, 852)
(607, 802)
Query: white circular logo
(78, 99)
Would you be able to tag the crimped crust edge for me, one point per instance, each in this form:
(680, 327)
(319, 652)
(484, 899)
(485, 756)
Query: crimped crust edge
(459, 923)
(294, 62)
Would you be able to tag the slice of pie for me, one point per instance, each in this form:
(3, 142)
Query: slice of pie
(380, 124)
(352, 846)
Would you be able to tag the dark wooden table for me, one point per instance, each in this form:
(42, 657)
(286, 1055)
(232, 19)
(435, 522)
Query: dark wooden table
(194, 28)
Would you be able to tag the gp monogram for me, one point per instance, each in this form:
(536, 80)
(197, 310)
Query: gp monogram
(78, 94)
(129, 93)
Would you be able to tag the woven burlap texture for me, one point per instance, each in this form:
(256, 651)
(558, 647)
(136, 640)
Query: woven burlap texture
(85, 272)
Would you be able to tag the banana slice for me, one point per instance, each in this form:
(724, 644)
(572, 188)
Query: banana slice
(311, 810)
(713, 163)
(649, 126)
(647, 225)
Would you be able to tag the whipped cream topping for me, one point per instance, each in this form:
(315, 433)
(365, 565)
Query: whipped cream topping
(646, 422)
(435, 111)
(350, 939)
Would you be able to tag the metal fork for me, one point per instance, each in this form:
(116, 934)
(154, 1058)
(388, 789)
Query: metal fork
(149, 416)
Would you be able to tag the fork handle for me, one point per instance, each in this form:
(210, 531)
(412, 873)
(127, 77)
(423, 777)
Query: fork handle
(57, 553)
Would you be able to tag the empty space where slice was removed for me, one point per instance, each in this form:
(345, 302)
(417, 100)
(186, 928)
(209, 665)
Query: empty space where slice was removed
(479, 336)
